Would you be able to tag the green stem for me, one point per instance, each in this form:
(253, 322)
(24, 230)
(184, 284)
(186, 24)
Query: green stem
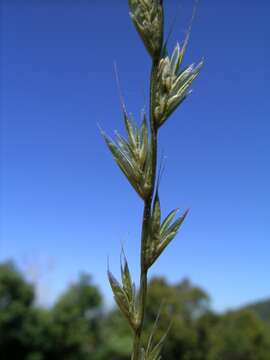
(146, 222)
(143, 283)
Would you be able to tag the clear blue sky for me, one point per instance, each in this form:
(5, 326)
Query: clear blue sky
(63, 199)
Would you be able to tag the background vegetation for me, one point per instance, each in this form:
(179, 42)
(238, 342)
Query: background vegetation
(77, 327)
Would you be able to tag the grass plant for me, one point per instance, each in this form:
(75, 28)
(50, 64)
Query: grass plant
(136, 156)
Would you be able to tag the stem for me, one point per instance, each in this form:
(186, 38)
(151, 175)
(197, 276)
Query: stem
(146, 222)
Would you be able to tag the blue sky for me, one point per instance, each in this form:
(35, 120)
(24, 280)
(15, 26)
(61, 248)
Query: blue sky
(65, 206)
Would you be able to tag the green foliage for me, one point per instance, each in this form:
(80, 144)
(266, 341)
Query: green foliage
(183, 304)
(239, 336)
(16, 298)
(116, 338)
(75, 320)
(76, 327)
(152, 351)
(70, 328)
(261, 308)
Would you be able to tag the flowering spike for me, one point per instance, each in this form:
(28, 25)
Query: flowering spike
(147, 16)
(173, 85)
(133, 155)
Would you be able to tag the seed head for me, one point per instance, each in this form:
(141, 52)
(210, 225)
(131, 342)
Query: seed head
(173, 84)
(147, 16)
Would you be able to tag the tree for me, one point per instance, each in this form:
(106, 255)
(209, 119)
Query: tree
(16, 299)
(75, 319)
(25, 330)
(77, 329)
(182, 307)
(240, 335)
(116, 338)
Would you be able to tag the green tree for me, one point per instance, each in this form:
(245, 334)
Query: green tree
(25, 330)
(38, 334)
(76, 317)
(116, 338)
(16, 299)
(183, 305)
(204, 326)
(240, 335)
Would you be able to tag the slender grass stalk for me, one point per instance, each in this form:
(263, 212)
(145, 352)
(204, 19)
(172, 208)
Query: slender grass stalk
(146, 221)
(137, 158)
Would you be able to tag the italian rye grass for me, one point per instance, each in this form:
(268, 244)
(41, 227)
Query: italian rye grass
(136, 156)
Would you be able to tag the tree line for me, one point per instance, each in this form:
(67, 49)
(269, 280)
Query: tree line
(77, 327)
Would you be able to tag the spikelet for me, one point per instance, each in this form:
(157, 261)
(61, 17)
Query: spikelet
(173, 84)
(147, 16)
(125, 294)
(133, 155)
(161, 233)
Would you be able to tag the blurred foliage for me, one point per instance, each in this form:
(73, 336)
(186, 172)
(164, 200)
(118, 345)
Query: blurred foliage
(262, 309)
(240, 336)
(75, 320)
(78, 328)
